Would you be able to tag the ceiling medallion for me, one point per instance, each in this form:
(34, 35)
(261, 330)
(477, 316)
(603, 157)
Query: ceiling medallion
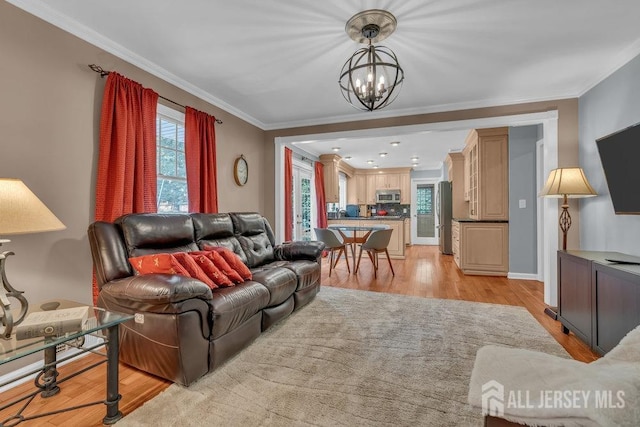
(371, 78)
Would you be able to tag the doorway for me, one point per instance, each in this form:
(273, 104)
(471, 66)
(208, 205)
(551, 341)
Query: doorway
(424, 223)
(302, 200)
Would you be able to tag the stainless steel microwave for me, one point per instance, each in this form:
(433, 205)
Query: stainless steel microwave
(388, 196)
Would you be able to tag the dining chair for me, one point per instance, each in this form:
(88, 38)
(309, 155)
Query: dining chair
(377, 242)
(333, 243)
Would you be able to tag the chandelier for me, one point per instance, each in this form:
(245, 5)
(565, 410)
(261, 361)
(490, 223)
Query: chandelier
(371, 78)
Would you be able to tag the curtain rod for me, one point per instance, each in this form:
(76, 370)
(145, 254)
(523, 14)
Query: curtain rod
(104, 73)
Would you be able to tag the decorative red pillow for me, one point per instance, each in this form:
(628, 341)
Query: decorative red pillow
(210, 269)
(158, 263)
(223, 266)
(233, 260)
(194, 269)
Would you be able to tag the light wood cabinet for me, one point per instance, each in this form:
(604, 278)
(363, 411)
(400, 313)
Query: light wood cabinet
(455, 167)
(488, 160)
(481, 248)
(405, 188)
(361, 189)
(466, 173)
(331, 180)
(352, 191)
(371, 189)
(388, 181)
(407, 232)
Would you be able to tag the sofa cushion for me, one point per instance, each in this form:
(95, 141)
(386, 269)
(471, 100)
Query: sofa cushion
(153, 233)
(281, 282)
(233, 260)
(210, 269)
(307, 272)
(251, 231)
(216, 230)
(158, 263)
(231, 307)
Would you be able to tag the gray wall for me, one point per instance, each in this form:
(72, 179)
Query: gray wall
(523, 257)
(611, 105)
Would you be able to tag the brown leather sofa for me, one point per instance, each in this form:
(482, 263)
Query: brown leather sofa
(182, 328)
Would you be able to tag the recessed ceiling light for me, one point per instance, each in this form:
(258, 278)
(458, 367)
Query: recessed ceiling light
(383, 154)
(375, 166)
(370, 162)
(347, 157)
(335, 148)
(415, 158)
(395, 143)
(414, 164)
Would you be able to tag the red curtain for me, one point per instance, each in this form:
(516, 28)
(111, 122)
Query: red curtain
(288, 194)
(200, 153)
(320, 199)
(126, 181)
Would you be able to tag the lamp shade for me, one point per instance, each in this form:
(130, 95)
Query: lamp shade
(569, 182)
(22, 212)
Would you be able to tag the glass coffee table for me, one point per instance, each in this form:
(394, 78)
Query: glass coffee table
(102, 325)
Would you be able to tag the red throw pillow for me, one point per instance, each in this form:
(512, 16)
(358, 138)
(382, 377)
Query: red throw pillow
(210, 269)
(233, 260)
(158, 263)
(223, 266)
(194, 269)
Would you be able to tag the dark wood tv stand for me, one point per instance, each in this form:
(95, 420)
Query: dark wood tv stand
(599, 301)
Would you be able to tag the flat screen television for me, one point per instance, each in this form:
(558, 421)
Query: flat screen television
(620, 157)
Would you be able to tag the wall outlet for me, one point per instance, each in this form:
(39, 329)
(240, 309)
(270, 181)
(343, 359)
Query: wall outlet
(522, 203)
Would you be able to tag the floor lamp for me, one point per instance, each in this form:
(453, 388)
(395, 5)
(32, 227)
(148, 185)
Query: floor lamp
(21, 212)
(566, 183)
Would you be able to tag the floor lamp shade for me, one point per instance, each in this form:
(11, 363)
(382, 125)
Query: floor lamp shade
(21, 212)
(567, 183)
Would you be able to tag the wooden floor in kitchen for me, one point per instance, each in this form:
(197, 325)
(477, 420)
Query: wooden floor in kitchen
(424, 273)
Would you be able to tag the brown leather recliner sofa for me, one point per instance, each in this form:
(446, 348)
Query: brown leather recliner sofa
(182, 328)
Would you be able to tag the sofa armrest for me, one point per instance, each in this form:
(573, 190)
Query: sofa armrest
(155, 292)
(291, 251)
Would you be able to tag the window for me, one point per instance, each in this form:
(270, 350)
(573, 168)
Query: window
(342, 187)
(171, 167)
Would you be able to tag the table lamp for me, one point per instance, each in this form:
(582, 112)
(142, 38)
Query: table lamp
(21, 212)
(567, 183)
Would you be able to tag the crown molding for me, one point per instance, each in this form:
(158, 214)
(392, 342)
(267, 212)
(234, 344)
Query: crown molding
(53, 17)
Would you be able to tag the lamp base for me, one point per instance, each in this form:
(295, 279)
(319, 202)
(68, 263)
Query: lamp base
(551, 312)
(7, 291)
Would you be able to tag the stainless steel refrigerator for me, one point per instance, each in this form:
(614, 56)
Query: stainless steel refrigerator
(443, 211)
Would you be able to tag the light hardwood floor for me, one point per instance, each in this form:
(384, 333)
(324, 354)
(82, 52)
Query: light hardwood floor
(424, 273)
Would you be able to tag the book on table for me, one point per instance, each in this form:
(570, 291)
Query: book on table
(52, 323)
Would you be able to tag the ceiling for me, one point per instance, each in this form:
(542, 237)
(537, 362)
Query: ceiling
(276, 63)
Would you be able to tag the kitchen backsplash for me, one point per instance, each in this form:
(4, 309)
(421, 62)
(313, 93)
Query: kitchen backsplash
(391, 209)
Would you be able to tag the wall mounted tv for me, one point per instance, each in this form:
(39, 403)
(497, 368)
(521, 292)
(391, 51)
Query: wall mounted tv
(620, 153)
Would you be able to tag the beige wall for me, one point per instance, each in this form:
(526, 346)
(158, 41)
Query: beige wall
(49, 114)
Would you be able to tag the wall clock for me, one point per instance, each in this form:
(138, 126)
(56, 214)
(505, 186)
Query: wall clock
(241, 170)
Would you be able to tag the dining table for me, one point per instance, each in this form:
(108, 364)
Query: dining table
(355, 239)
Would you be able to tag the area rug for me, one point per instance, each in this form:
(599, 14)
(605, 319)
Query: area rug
(353, 358)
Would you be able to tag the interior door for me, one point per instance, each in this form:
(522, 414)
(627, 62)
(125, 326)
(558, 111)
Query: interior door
(424, 221)
(302, 201)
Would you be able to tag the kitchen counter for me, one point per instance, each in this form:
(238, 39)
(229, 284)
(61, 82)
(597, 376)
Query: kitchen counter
(370, 218)
(480, 220)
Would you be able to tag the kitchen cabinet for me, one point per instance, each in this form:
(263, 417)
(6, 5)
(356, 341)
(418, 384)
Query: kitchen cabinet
(455, 168)
(388, 181)
(466, 174)
(481, 248)
(371, 189)
(330, 168)
(407, 232)
(488, 165)
(405, 188)
(361, 189)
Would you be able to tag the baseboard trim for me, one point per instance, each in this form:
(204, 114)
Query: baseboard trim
(522, 276)
(551, 312)
(10, 379)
